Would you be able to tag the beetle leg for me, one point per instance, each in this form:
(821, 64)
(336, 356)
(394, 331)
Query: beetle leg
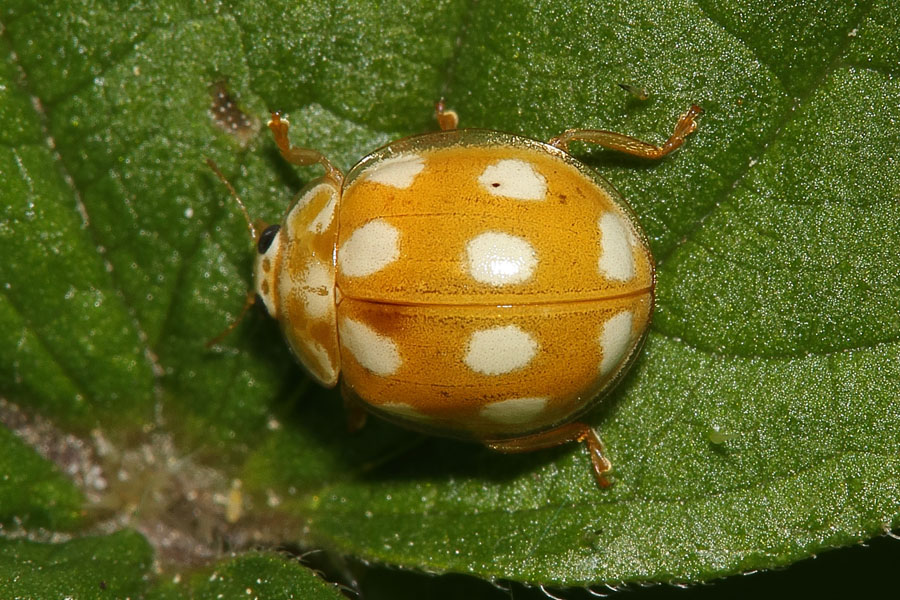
(447, 119)
(354, 411)
(570, 432)
(297, 155)
(627, 144)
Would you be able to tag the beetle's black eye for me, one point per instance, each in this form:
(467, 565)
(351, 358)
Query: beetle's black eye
(267, 237)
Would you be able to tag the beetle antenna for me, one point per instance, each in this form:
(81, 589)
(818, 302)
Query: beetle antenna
(251, 296)
(215, 169)
(250, 301)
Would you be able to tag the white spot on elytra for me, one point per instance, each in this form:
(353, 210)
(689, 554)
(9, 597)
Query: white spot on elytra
(515, 411)
(500, 350)
(615, 340)
(325, 216)
(369, 249)
(404, 410)
(512, 178)
(616, 256)
(375, 352)
(499, 258)
(326, 371)
(398, 172)
(317, 288)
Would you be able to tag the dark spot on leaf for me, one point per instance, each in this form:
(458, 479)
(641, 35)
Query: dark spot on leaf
(228, 115)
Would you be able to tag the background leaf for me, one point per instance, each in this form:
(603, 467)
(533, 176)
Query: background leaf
(251, 575)
(111, 566)
(32, 492)
(758, 427)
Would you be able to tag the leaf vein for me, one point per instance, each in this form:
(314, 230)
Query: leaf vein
(449, 70)
(65, 173)
(783, 120)
(67, 372)
(890, 341)
(776, 479)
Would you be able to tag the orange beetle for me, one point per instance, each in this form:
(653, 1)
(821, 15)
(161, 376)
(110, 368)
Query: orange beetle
(466, 283)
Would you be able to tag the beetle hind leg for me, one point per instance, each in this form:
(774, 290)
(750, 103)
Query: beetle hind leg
(570, 432)
(629, 145)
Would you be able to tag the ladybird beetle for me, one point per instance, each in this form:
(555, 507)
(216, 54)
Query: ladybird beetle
(467, 283)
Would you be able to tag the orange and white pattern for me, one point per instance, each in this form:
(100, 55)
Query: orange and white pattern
(477, 290)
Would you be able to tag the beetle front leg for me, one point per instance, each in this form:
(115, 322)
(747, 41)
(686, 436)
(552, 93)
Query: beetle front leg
(300, 156)
(447, 119)
(570, 432)
(629, 145)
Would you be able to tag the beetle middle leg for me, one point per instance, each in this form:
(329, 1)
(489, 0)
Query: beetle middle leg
(354, 409)
(629, 145)
(570, 432)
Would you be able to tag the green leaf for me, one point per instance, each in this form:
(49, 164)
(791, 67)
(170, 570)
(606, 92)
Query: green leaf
(112, 566)
(69, 343)
(32, 492)
(758, 427)
(254, 575)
